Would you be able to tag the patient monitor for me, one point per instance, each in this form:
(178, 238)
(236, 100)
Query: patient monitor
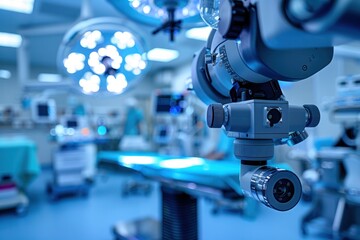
(43, 110)
(169, 110)
(167, 103)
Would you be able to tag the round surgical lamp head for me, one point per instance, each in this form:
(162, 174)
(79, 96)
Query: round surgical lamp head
(169, 16)
(102, 56)
(159, 8)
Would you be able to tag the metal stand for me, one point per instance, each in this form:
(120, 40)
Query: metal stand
(136, 187)
(179, 215)
(179, 220)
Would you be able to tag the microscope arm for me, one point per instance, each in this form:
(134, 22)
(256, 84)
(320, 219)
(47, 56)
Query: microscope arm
(257, 43)
(308, 23)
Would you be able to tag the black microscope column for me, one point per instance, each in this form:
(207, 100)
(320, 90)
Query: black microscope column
(179, 215)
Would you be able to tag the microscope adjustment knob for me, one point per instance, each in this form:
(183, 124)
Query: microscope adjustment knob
(215, 115)
(233, 18)
(296, 137)
(313, 115)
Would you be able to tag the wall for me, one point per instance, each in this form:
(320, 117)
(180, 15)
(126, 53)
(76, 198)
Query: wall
(325, 85)
(317, 90)
(181, 77)
(10, 90)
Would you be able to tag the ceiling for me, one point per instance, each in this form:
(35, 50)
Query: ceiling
(46, 26)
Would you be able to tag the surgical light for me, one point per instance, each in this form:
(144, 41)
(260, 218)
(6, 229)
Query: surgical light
(175, 10)
(162, 55)
(169, 16)
(102, 56)
(22, 6)
(159, 8)
(10, 40)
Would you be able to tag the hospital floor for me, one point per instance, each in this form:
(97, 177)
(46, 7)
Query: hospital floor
(94, 216)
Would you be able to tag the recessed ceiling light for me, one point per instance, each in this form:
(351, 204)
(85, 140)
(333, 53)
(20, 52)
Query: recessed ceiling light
(162, 55)
(199, 33)
(22, 6)
(49, 77)
(5, 74)
(10, 40)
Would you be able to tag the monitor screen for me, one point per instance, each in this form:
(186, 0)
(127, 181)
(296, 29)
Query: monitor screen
(43, 110)
(170, 103)
(72, 123)
(163, 133)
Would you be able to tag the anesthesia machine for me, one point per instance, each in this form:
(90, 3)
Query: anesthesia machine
(176, 123)
(253, 45)
(73, 161)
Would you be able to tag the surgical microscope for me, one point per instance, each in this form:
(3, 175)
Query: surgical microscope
(254, 44)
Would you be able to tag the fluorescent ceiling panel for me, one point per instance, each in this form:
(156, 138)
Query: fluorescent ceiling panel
(49, 77)
(10, 40)
(162, 55)
(5, 74)
(22, 6)
(198, 33)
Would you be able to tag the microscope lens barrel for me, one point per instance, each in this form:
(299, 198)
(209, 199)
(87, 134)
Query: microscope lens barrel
(276, 188)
